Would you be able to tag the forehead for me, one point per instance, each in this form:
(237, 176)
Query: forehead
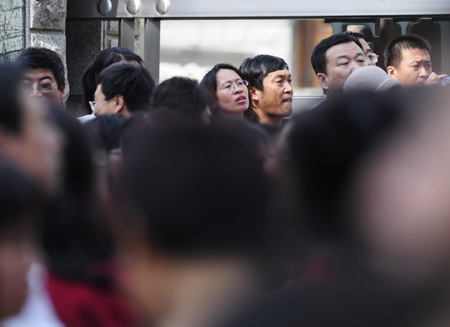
(349, 49)
(409, 55)
(365, 45)
(277, 73)
(224, 75)
(98, 91)
(38, 74)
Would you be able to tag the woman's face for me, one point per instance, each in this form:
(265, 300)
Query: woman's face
(232, 93)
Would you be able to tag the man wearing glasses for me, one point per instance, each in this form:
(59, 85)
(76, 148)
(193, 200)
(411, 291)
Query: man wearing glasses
(270, 89)
(43, 74)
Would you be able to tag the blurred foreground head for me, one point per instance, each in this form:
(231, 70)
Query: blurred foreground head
(27, 136)
(371, 173)
(19, 204)
(194, 202)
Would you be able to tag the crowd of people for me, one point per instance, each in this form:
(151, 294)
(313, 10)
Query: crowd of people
(202, 204)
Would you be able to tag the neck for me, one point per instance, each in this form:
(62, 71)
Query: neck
(267, 119)
(232, 114)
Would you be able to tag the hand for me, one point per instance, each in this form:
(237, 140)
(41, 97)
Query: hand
(434, 79)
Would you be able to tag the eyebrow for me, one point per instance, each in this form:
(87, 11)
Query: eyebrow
(281, 76)
(231, 81)
(40, 79)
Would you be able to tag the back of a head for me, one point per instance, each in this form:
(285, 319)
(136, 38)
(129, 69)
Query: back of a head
(393, 51)
(19, 199)
(10, 108)
(254, 70)
(318, 56)
(35, 58)
(199, 192)
(183, 96)
(104, 132)
(104, 59)
(129, 80)
(324, 146)
(371, 79)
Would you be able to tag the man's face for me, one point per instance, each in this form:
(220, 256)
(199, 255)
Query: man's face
(367, 51)
(41, 83)
(414, 68)
(342, 60)
(276, 99)
(102, 106)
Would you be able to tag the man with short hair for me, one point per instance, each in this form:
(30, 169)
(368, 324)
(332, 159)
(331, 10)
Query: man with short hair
(270, 89)
(334, 59)
(407, 59)
(43, 73)
(372, 57)
(122, 88)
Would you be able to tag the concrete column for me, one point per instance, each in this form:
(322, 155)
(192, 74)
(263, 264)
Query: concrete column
(47, 23)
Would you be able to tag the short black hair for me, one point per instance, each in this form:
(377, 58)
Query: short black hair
(355, 34)
(393, 51)
(34, 58)
(319, 58)
(129, 80)
(199, 191)
(104, 59)
(256, 69)
(11, 112)
(182, 95)
(209, 81)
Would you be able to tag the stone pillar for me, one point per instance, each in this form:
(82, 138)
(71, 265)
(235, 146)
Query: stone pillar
(12, 29)
(47, 23)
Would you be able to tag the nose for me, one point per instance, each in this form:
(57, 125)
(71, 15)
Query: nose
(237, 89)
(423, 72)
(35, 92)
(288, 88)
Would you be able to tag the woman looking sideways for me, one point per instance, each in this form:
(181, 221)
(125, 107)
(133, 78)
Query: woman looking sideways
(230, 91)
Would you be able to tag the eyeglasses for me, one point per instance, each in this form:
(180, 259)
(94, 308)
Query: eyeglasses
(42, 88)
(372, 57)
(230, 86)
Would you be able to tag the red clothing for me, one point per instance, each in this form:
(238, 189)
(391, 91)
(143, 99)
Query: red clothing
(83, 305)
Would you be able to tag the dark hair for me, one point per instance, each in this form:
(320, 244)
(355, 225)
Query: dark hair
(355, 34)
(11, 112)
(324, 147)
(104, 132)
(209, 81)
(393, 51)
(34, 58)
(74, 233)
(255, 70)
(131, 81)
(104, 59)
(319, 58)
(182, 95)
(19, 199)
(188, 185)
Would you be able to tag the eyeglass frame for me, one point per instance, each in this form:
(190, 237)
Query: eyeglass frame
(233, 85)
(375, 57)
(38, 87)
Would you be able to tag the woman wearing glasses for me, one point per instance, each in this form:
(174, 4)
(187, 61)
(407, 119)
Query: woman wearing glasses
(230, 91)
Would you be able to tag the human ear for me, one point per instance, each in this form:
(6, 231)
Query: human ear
(323, 80)
(119, 104)
(254, 95)
(61, 92)
(392, 72)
